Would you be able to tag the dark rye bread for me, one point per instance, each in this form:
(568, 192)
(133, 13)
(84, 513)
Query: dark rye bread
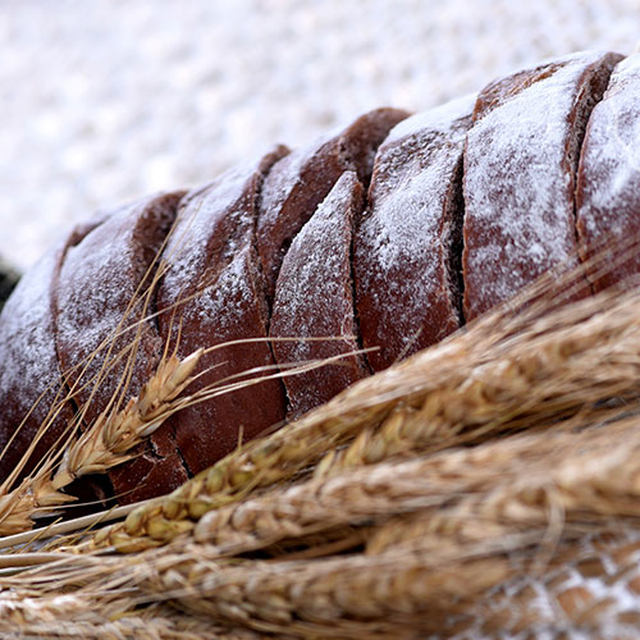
(300, 181)
(31, 383)
(314, 299)
(281, 232)
(520, 162)
(214, 283)
(608, 191)
(407, 247)
(100, 277)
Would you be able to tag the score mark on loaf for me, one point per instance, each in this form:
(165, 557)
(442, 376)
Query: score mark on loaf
(389, 235)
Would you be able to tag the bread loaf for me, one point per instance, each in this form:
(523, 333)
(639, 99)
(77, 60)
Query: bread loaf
(388, 236)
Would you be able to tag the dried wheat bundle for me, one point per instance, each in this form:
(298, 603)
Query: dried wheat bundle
(445, 526)
(513, 564)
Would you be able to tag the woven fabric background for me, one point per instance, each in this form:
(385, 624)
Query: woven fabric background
(107, 100)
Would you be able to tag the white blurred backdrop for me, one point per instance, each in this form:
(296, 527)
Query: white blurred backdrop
(106, 100)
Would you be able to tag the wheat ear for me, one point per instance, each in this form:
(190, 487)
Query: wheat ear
(591, 480)
(540, 376)
(578, 479)
(493, 588)
(105, 444)
(310, 598)
(76, 617)
(424, 485)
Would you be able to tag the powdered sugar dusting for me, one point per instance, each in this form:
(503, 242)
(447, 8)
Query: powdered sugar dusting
(518, 185)
(214, 229)
(403, 245)
(27, 313)
(609, 179)
(214, 286)
(318, 248)
(446, 118)
(279, 183)
(298, 183)
(290, 194)
(214, 309)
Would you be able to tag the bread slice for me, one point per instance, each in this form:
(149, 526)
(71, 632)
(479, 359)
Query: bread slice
(314, 299)
(32, 390)
(408, 245)
(520, 163)
(608, 188)
(101, 310)
(213, 293)
(301, 181)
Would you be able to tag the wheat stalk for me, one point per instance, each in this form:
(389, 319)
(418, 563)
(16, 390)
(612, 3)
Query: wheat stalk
(578, 480)
(394, 594)
(443, 532)
(564, 462)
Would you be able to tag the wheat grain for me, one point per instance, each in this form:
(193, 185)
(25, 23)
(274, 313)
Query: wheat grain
(543, 377)
(484, 517)
(395, 594)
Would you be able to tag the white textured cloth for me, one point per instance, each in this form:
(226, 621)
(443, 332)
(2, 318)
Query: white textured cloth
(107, 100)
